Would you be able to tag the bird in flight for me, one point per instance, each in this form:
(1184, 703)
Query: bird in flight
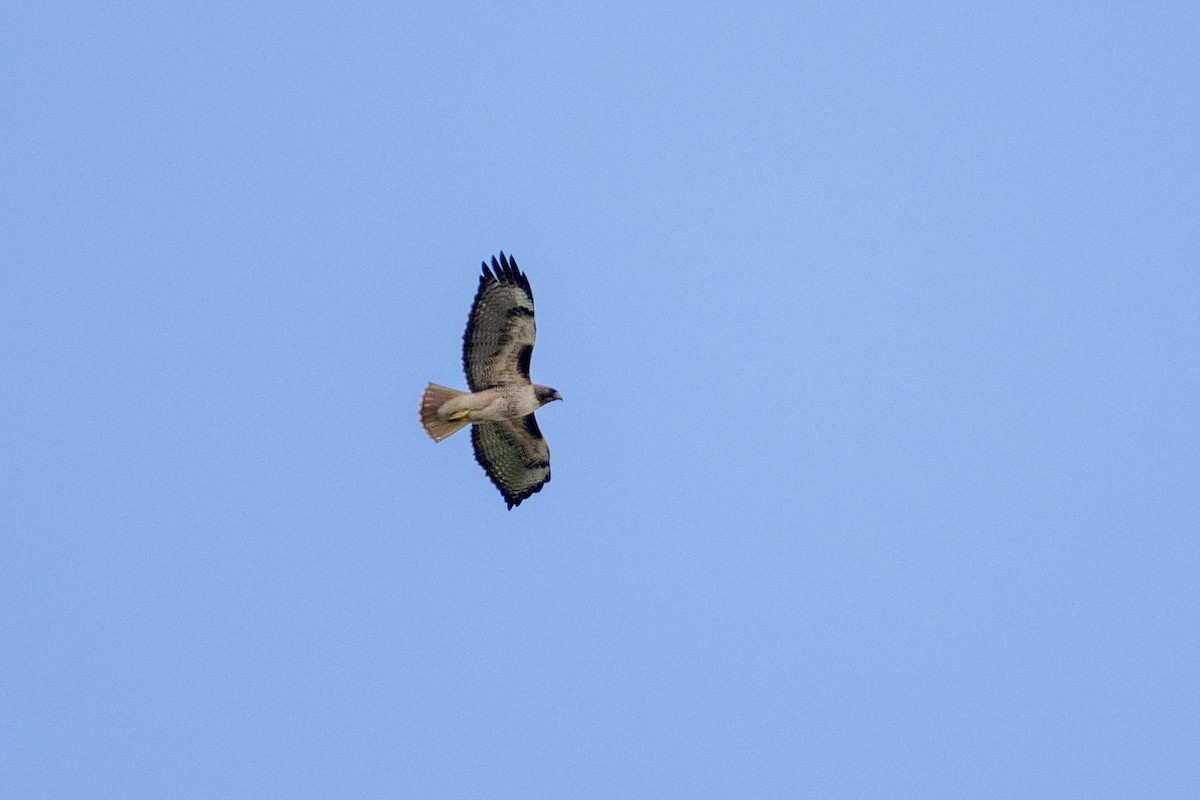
(496, 351)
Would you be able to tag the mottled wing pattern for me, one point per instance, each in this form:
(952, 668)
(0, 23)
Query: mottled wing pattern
(515, 456)
(500, 329)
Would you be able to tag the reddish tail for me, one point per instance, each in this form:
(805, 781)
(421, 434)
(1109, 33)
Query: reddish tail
(434, 398)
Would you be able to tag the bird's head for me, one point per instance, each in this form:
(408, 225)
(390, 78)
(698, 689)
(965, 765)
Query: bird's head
(546, 395)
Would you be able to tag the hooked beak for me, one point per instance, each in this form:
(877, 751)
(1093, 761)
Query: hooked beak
(556, 396)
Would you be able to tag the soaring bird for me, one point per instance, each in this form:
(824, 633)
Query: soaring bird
(496, 351)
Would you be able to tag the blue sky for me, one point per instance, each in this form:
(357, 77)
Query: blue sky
(877, 475)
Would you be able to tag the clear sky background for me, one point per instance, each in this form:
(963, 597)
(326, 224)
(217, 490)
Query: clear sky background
(878, 473)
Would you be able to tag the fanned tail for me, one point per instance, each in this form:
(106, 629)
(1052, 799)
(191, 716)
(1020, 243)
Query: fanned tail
(434, 398)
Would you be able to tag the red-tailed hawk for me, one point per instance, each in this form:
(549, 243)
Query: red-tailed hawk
(496, 351)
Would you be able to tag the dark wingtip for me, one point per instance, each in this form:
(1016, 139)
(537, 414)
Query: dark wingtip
(487, 273)
(516, 500)
(505, 270)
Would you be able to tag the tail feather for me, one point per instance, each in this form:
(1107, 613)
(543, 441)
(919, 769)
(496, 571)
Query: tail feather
(434, 398)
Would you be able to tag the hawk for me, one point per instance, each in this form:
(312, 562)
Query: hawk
(496, 351)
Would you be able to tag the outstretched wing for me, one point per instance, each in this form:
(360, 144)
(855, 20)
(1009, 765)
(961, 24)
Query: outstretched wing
(500, 329)
(515, 456)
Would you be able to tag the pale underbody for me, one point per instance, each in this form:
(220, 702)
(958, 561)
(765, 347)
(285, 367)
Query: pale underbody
(503, 402)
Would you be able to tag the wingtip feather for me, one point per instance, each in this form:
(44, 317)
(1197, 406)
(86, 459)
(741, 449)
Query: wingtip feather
(504, 269)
